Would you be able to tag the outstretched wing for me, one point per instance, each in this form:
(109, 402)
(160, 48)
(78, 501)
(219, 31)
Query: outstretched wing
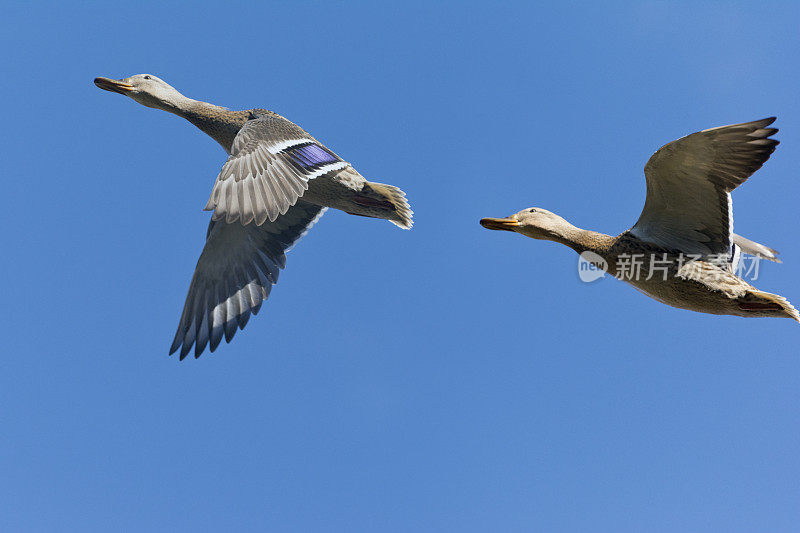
(234, 275)
(688, 205)
(270, 164)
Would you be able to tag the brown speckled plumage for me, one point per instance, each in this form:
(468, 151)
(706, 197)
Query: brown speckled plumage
(219, 123)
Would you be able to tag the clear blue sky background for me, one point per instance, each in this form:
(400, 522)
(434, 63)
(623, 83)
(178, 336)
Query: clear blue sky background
(443, 379)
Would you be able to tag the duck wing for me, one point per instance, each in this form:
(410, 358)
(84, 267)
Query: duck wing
(270, 164)
(234, 275)
(689, 181)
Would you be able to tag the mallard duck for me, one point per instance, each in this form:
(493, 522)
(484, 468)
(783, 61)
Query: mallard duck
(277, 182)
(683, 247)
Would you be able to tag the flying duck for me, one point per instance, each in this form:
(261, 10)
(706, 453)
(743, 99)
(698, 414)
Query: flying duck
(277, 182)
(682, 251)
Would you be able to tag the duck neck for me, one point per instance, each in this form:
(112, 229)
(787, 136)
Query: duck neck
(219, 123)
(581, 240)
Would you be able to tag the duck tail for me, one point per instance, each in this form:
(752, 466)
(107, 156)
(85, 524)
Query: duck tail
(400, 213)
(768, 304)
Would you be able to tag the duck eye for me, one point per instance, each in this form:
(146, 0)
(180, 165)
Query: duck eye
(531, 210)
(147, 77)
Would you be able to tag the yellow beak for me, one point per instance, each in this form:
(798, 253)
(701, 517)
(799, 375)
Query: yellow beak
(115, 86)
(507, 224)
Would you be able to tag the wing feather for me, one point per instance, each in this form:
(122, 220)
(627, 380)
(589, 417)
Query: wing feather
(235, 274)
(689, 181)
(270, 164)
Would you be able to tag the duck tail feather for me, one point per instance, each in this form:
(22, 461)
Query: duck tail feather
(765, 301)
(401, 214)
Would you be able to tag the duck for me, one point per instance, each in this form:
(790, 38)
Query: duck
(276, 183)
(682, 250)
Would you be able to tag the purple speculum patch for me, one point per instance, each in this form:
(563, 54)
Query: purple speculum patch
(311, 156)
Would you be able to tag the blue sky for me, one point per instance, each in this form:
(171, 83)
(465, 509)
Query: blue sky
(443, 379)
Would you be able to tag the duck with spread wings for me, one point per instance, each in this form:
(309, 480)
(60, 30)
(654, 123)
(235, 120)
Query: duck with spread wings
(277, 182)
(682, 251)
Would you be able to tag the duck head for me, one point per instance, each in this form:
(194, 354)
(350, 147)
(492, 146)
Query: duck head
(147, 89)
(533, 222)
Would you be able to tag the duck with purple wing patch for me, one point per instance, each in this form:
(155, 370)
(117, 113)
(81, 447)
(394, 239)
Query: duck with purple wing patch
(682, 251)
(277, 182)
